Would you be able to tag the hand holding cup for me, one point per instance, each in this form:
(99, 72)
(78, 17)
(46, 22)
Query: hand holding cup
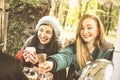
(29, 55)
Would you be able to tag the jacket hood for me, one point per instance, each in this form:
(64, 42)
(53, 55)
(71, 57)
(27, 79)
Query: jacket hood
(69, 41)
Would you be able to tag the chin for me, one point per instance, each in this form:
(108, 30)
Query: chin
(46, 42)
(87, 41)
(43, 43)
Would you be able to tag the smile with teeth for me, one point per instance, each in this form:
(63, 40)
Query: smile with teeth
(85, 36)
(44, 39)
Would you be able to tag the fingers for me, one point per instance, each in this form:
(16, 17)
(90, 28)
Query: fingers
(34, 56)
(30, 57)
(25, 53)
(45, 67)
(42, 68)
(33, 59)
(26, 56)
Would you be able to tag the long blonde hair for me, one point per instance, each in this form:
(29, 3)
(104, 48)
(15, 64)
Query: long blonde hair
(82, 53)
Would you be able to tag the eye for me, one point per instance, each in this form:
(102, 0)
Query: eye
(89, 27)
(41, 30)
(49, 32)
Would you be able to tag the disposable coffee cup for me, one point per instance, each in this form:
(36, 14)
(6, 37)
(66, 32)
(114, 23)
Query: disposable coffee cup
(31, 49)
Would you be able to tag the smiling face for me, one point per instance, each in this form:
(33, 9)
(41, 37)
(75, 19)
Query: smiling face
(89, 30)
(45, 33)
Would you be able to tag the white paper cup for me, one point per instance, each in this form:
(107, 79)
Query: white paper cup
(31, 49)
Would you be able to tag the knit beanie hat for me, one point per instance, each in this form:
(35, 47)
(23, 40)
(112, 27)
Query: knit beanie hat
(52, 21)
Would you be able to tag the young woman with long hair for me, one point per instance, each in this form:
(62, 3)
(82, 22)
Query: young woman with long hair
(89, 45)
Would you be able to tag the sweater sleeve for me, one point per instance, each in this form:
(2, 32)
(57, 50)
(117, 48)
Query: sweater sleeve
(63, 59)
(27, 42)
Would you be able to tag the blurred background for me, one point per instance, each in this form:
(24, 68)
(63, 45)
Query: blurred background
(18, 18)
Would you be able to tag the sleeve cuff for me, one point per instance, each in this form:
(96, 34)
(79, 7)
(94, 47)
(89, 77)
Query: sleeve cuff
(54, 64)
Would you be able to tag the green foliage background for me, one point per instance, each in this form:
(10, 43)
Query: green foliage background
(23, 17)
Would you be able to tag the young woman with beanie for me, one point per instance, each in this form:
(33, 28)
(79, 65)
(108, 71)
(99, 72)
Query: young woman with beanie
(45, 40)
(89, 45)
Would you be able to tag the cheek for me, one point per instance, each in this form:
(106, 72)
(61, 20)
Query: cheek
(96, 31)
(50, 37)
(38, 34)
(81, 32)
(49, 40)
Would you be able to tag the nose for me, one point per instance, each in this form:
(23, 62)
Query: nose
(43, 34)
(85, 30)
